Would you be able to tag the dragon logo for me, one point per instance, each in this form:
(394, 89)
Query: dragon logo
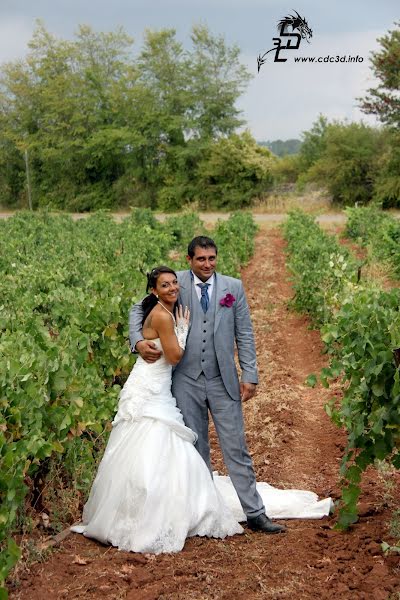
(296, 22)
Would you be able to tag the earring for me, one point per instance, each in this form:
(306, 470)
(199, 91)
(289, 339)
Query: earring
(157, 296)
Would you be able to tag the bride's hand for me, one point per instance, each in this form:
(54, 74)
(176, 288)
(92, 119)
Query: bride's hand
(182, 318)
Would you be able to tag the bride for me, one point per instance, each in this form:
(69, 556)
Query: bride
(152, 489)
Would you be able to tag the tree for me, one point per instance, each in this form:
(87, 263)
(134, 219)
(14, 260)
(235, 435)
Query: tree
(234, 171)
(348, 165)
(314, 143)
(193, 103)
(384, 100)
(63, 104)
(387, 184)
(216, 79)
(100, 126)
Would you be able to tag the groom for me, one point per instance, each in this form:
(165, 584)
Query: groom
(206, 378)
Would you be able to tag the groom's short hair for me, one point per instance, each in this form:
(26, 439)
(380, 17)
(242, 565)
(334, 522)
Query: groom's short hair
(202, 241)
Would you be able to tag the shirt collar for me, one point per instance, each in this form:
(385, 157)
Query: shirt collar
(197, 280)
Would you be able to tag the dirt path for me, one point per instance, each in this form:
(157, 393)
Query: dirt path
(294, 445)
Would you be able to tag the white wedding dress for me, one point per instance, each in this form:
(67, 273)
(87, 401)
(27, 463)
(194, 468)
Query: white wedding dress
(153, 490)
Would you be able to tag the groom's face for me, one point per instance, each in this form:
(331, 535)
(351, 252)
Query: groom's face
(203, 263)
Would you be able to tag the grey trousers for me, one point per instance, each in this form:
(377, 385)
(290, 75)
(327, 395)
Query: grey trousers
(195, 398)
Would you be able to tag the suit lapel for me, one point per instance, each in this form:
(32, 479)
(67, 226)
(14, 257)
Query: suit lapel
(185, 289)
(220, 291)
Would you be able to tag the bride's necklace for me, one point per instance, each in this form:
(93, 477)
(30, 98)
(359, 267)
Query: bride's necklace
(168, 311)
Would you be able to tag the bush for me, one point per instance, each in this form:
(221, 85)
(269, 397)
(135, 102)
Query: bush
(235, 171)
(348, 165)
(287, 169)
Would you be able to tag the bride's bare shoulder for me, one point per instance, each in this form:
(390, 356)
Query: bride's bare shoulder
(161, 317)
(157, 320)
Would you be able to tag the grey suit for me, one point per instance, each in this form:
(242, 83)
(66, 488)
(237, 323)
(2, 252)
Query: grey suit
(206, 378)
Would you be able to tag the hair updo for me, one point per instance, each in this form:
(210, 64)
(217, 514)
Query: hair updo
(150, 301)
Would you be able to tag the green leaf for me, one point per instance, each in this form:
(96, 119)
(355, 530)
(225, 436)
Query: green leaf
(381, 449)
(3, 593)
(351, 494)
(353, 474)
(378, 389)
(346, 518)
(311, 380)
(57, 446)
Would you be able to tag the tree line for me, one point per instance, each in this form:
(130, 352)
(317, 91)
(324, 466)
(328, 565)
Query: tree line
(86, 124)
(96, 126)
(357, 163)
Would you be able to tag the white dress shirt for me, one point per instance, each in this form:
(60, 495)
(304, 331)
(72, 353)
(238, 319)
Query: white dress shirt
(210, 282)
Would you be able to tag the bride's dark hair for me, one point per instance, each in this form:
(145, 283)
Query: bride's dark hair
(150, 301)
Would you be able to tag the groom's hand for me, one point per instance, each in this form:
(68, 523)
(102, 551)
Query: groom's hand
(247, 391)
(148, 351)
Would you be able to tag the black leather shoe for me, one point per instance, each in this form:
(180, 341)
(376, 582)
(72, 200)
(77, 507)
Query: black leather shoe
(264, 523)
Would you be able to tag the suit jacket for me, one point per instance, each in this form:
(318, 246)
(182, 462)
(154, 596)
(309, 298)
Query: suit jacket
(231, 325)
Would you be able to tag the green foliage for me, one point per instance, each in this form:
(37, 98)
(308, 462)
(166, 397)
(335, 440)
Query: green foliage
(387, 183)
(103, 129)
(216, 80)
(287, 169)
(360, 326)
(383, 100)
(347, 166)
(386, 548)
(313, 143)
(377, 230)
(356, 163)
(185, 227)
(235, 242)
(67, 287)
(11, 556)
(320, 267)
(235, 170)
(362, 221)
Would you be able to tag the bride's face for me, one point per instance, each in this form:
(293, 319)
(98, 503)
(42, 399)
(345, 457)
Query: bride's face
(167, 288)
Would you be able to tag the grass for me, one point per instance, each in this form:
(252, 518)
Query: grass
(313, 201)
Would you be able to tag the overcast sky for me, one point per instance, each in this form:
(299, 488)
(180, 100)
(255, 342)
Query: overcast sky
(282, 100)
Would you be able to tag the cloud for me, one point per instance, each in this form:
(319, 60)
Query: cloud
(284, 99)
(15, 33)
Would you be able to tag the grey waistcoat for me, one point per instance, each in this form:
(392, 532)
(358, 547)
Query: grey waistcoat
(199, 356)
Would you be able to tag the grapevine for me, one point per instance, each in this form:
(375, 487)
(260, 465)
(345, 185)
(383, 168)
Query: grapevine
(360, 326)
